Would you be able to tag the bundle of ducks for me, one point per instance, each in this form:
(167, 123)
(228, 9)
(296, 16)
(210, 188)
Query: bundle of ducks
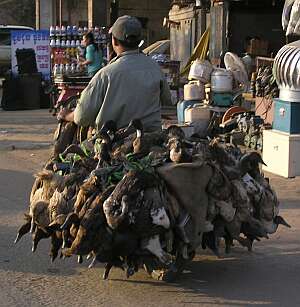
(131, 199)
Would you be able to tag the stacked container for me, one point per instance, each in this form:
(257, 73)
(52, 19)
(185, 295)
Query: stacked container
(194, 91)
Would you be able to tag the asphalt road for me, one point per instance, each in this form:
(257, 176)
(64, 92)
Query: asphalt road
(269, 276)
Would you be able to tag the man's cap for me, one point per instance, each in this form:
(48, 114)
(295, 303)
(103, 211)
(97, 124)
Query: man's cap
(127, 29)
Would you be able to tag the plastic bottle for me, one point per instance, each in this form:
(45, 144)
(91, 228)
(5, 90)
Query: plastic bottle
(73, 68)
(68, 69)
(61, 69)
(55, 70)
(69, 31)
(80, 33)
(52, 31)
(57, 31)
(57, 43)
(52, 43)
(74, 31)
(78, 68)
(63, 32)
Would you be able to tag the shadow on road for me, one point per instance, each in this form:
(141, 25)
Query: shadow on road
(237, 281)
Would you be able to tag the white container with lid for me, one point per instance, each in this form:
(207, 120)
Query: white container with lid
(199, 117)
(194, 90)
(197, 113)
(221, 81)
(200, 70)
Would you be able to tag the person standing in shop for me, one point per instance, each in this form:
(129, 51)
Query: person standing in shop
(93, 58)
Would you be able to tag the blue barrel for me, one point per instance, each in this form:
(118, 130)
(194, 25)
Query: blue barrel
(181, 106)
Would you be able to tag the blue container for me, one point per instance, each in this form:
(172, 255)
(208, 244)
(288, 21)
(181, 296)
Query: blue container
(222, 99)
(286, 116)
(181, 106)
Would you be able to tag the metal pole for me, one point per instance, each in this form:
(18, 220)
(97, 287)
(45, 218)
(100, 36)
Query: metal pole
(60, 13)
(37, 14)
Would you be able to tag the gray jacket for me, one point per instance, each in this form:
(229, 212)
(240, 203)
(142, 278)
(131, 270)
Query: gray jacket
(131, 86)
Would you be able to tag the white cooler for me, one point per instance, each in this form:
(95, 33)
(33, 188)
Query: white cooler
(281, 153)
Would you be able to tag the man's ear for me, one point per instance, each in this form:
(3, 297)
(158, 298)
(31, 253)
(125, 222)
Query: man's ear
(115, 42)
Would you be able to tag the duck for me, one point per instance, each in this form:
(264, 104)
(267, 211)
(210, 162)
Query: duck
(249, 163)
(178, 152)
(140, 146)
(103, 149)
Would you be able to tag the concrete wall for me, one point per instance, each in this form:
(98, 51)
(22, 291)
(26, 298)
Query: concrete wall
(18, 12)
(154, 10)
(75, 13)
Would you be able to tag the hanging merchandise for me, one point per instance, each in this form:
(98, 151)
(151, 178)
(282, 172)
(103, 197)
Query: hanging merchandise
(67, 48)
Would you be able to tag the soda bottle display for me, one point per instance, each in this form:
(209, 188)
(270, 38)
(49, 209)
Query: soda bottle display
(63, 31)
(52, 31)
(57, 31)
(74, 31)
(69, 31)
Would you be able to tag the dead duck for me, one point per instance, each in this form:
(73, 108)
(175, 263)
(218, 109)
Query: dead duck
(103, 150)
(249, 163)
(178, 152)
(140, 146)
(272, 226)
(144, 143)
(174, 131)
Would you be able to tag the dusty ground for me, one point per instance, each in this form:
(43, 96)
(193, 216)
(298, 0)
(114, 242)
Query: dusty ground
(269, 276)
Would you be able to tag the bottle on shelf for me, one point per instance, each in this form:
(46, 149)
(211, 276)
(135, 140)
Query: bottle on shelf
(57, 31)
(74, 31)
(69, 32)
(85, 30)
(80, 33)
(73, 68)
(52, 43)
(57, 43)
(52, 31)
(63, 32)
(55, 70)
(61, 69)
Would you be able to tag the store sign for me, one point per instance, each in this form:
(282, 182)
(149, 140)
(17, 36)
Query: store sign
(36, 40)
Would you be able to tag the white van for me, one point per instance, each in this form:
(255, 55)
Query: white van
(5, 49)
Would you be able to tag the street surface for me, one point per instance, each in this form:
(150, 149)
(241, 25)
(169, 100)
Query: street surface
(269, 276)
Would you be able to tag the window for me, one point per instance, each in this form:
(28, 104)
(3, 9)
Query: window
(5, 37)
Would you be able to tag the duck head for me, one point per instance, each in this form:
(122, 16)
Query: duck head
(109, 127)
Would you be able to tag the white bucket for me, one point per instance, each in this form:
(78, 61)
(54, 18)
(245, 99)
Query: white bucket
(200, 70)
(194, 90)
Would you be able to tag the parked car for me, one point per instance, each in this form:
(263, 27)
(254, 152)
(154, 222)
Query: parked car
(5, 45)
